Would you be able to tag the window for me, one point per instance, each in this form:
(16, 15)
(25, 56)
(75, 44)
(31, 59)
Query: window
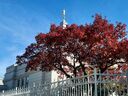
(26, 82)
(22, 82)
(18, 83)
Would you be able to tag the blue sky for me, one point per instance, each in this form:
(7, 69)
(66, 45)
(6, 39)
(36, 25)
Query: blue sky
(21, 20)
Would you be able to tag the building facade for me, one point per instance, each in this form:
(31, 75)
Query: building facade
(1, 81)
(2, 86)
(16, 76)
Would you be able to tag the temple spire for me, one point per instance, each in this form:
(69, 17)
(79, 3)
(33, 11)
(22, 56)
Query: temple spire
(63, 14)
(63, 24)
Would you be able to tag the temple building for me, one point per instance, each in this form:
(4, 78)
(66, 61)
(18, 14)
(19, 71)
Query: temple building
(16, 76)
(1, 81)
(2, 86)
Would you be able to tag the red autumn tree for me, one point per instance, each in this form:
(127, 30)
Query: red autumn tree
(71, 50)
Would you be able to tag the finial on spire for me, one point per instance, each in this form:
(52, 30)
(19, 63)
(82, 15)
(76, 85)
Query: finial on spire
(63, 23)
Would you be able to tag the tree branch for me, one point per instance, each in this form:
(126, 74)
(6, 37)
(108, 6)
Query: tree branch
(82, 66)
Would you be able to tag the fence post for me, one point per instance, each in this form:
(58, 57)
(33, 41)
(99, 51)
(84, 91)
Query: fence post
(127, 80)
(95, 77)
(34, 89)
(16, 90)
(100, 89)
(88, 85)
(3, 92)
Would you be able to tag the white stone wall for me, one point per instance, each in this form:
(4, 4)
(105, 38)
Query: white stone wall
(54, 76)
(20, 70)
(35, 77)
(1, 81)
(17, 77)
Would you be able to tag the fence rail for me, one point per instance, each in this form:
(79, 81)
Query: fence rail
(91, 85)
